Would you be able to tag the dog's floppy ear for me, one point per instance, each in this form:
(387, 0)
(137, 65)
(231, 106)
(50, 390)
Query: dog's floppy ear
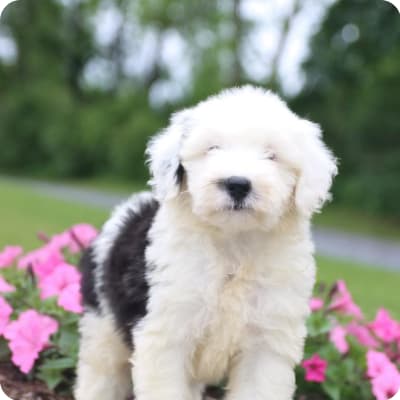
(317, 170)
(163, 157)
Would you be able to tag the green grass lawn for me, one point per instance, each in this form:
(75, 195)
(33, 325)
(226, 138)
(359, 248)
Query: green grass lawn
(106, 184)
(371, 287)
(23, 213)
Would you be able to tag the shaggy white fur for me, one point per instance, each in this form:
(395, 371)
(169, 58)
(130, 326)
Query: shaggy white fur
(103, 368)
(228, 286)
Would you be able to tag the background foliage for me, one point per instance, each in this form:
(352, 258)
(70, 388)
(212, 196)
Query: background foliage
(72, 105)
(350, 89)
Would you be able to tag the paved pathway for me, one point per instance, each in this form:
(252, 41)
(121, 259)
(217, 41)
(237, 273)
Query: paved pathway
(358, 248)
(329, 242)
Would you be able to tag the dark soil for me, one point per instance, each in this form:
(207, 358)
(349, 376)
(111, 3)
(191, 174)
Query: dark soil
(17, 387)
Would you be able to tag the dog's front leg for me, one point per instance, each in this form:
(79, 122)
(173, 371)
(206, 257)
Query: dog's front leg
(160, 362)
(261, 374)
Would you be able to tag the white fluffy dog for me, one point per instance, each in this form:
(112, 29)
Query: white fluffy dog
(209, 277)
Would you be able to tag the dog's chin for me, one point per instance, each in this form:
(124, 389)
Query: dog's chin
(234, 218)
(238, 209)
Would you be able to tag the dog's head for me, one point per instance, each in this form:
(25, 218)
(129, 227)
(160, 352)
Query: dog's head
(243, 159)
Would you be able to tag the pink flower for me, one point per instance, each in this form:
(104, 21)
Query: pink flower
(343, 302)
(362, 334)
(54, 283)
(70, 298)
(386, 385)
(45, 265)
(5, 312)
(5, 287)
(28, 336)
(32, 257)
(28, 259)
(378, 363)
(9, 254)
(43, 260)
(82, 236)
(60, 241)
(316, 304)
(385, 327)
(63, 282)
(338, 337)
(75, 239)
(315, 368)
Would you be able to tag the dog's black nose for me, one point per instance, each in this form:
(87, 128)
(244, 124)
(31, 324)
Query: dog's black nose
(238, 187)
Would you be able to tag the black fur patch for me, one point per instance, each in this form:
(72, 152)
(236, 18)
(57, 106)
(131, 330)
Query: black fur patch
(124, 280)
(180, 172)
(88, 266)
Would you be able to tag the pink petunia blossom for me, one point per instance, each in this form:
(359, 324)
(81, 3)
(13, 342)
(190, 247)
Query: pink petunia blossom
(82, 236)
(43, 260)
(75, 239)
(54, 283)
(386, 385)
(47, 263)
(338, 337)
(316, 304)
(9, 255)
(28, 259)
(28, 336)
(5, 312)
(385, 327)
(63, 282)
(70, 299)
(5, 287)
(362, 334)
(315, 368)
(343, 302)
(60, 241)
(378, 363)
(34, 256)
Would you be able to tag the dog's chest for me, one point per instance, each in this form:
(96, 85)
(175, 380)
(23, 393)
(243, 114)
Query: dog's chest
(225, 328)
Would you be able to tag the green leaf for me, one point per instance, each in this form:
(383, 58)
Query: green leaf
(68, 342)
(334, 373)
(332, 390)
(51, 377)
(4, 350)
(58, 364)
(318, 325)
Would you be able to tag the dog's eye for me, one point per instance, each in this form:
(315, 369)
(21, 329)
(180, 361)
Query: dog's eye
(212, 148)
(269, 155)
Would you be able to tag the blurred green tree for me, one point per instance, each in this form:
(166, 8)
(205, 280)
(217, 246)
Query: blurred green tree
(59, 116)
(43, 94)
(53, 121)
(351, 78)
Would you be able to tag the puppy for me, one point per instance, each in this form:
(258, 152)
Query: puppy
(208, 277)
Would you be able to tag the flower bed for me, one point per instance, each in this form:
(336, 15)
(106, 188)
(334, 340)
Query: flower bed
(40, 304)
(346, 357)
